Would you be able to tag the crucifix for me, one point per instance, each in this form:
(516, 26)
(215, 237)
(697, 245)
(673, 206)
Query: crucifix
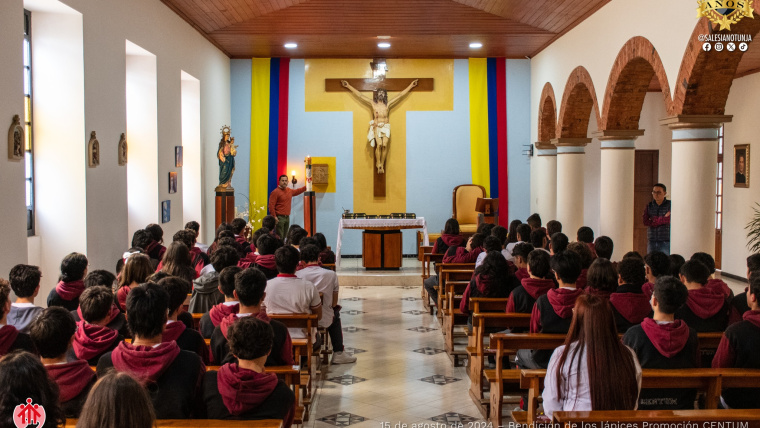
(378, 135)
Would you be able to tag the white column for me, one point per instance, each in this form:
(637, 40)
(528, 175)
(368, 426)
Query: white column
(544, 177)
(570, 183)
(616, 198)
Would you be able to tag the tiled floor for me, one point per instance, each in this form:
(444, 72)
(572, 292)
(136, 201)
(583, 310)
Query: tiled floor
(400, 375)
(352, 274)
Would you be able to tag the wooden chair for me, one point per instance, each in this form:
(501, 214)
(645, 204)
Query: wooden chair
(464, 198)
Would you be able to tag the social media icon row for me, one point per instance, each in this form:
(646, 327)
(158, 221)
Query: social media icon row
(719, 46)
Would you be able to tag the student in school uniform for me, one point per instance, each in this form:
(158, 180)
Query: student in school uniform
(249, 292)
(173, 374)
(491, 279)
(10, 338)
(22, 377)
(603, 247)
(602, 278)
(239, 229)
(449, 238)
(205, 292)
(706, 308)
(53, 333)
(586, 235)
(629, 304)
(739, 302)
(117, 401)
(187, 339)
(553, 312)
(657, 264)
(558, 243)
(104, 278)
(520, 258)
(663, 342)
(243, 389)
(712, 282)
(538, 239)
(491, 243)
(739, 348)
(93, 337)
(523, 235)
(25, 283)
(522, 298)
(326, 255)
(211, 319)
(586, 257)
(468, 253)
(265, 262)
(70, 284)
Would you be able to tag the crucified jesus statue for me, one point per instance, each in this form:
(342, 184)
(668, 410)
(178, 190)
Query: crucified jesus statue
(379, 129)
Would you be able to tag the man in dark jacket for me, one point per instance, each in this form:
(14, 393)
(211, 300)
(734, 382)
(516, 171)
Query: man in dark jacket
(657, 218)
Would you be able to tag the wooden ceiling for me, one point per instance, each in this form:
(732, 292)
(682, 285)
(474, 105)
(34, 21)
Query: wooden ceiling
(349, 28)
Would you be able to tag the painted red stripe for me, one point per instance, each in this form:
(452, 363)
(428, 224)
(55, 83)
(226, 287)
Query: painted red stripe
(282, 142)
(501, 115)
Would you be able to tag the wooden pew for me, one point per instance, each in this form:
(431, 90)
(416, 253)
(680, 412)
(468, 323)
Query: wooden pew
(451, 272)
(428, 259)
(452, 317)
(330, 266)
(204, 423)
(508, 344)
(638, 417)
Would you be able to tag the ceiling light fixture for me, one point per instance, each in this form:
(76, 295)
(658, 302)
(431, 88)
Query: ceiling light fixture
(476, 45)
(383, 45)
(384, 37)
(291, 45)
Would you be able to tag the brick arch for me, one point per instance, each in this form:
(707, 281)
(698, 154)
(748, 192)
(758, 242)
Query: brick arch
(578, 100)
(635, 66)
(547, 114)
(705, 78)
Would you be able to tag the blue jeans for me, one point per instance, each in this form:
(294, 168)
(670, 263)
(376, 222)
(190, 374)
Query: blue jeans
(663, 246)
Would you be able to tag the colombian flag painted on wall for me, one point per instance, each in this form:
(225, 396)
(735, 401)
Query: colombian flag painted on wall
(488, 129)
(269, 129)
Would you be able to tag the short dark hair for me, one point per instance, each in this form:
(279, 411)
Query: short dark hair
(227, 280)
(477, 240)
(141, 239)
(224, 256)
(676, 261)
(670, 293)
(193, 225)
(297, 235)
(286, 258)
(238, 225)
(309, 253)
(500, 232)
(99, 277)
(321, 241)
(753, 262)
(451, 227)
(250, 284)
(73, 267)
(706, 259)
(553, 226)
(308, 240)
(583, 251)
(5, 292)
(492, 243)
(522, 249)
(485, 228)
(586, 234)
(603, 246)
(602, 275)
(538, 263)
(51, 331)
(534, 221)
(658, 262)
(634, 254)
(267, 244)
(22, 377)
(227, 233)
(559, 242)
(537, 238)
(512, 232)
(24, 279)
(95, 303)
(146, 310)
(283, 175)
(662, 186)
(494, 266)
(695, 271)
(632, 271)
(523, 232)
(257, 234)
(155, 231)
(177, 289)
(754, 285)
(567, 266)
(186, 237)
(250, 338)
(269, 221)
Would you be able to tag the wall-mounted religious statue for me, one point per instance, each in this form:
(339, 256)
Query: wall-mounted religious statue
(226, 155)
(93, 151)
(123, 150)
(16, 139)
(379, 129)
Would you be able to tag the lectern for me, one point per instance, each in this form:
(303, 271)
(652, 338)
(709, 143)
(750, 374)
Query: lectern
(489, 208)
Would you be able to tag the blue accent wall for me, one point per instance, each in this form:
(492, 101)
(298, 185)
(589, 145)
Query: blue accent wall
(518, 135)
(240, 97)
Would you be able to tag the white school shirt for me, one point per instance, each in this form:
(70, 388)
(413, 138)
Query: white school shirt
(291, 295)
(326, 282)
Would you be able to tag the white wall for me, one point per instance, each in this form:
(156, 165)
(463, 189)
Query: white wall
(190, 173)
(656, 136)
(592, 175)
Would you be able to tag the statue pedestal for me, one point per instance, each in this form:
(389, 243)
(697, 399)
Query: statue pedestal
(310, 212)
(225, 206)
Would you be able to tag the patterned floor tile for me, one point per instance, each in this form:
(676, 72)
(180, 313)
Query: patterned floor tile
(353, 329)
(346, 379)
(355, 287)
(352, 351)
(411, 299)
(453, 418)
(407, 287)
(440, 379)
(429, 351)
(342, 419)
(415, 312)
(421, 329)
(353, 312)
(353, 299)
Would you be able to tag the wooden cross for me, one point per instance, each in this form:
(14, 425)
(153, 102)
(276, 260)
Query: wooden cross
(369, 85)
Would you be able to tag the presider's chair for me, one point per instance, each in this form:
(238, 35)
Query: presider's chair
(464, 199)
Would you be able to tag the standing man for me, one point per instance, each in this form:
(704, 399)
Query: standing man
(657, 217)
(279, 204)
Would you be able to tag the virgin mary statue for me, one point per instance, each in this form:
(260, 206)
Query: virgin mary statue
(226, 155)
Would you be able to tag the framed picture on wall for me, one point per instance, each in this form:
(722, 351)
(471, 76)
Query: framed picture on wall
(178, 156)
(741, 165)
(172, 182)
(166, 211)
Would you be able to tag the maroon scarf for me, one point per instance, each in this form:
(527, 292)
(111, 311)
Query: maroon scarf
(242, 389)
(8, 334)
(173, 331)
(146, 363)
(221, 311)
(92, 340)
(69, 290)
(267, 262)
(72, 378)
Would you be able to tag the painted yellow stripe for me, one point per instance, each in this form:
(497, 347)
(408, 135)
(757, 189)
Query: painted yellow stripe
(259, 138)
(479, 123)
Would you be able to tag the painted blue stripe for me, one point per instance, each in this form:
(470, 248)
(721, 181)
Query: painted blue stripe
(493, 140)
(274, 116)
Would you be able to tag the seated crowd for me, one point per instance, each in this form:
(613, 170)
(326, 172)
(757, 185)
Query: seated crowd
(127, 337)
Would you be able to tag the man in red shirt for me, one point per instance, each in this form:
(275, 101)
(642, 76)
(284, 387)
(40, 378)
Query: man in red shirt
(279, 204)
